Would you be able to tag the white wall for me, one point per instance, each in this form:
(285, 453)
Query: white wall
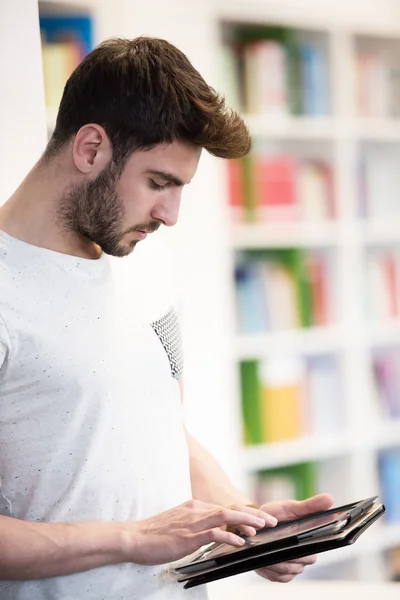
(22, 112)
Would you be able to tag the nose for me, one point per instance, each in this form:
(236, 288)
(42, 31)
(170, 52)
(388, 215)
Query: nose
(167, 210)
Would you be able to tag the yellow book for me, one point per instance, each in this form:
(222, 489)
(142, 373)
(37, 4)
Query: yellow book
(59, 60)
(282, 400)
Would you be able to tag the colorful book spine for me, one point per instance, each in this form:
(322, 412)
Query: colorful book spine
(324, 413)
(282, 391)
(389, 470)
(65, 42)
(296, 481)
(275, 188)
(282, 289)
(250, 395)
(314, 79)
(236, 194)
(386, 375)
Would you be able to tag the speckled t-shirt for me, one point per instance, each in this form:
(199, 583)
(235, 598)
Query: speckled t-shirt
(90, 414)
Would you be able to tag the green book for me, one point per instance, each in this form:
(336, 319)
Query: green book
(250, 394)
(303, 283)
(248, 187)
(293, 259)
(302, 475)
(288, 38)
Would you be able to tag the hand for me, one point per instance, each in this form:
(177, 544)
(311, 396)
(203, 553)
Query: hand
(285, 511)
(177, 532)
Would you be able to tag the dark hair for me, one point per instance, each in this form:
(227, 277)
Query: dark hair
(144, 92)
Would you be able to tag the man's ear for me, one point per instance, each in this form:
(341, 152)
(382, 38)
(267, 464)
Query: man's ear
(91, 150)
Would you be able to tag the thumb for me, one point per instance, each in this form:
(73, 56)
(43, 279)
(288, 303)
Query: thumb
(293, 509)
(313, 504)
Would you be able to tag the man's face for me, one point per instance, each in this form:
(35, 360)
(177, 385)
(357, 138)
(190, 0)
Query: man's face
(116, 210)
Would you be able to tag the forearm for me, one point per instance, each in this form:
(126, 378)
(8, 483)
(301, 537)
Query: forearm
(30, 550)
(209, 481)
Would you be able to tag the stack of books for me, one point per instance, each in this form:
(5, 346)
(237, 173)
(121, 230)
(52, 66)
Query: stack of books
(290, 397)
(272, 71)
(283, 289)
(271, 188)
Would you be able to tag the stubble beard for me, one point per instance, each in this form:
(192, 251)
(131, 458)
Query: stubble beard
(95, 212)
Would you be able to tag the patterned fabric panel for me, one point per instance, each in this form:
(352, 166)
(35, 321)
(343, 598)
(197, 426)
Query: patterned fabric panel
(168, 330)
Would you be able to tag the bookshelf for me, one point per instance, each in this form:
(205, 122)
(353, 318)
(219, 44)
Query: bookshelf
(66, 37)
(348, 120)
(349, 455)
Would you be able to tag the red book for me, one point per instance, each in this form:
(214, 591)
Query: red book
(319, 290)
(236, 190)
(275, 188)
(389, 266)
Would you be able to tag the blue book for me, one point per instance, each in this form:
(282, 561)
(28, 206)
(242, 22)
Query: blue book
(314, 80)
(389, 465)
(250, 298)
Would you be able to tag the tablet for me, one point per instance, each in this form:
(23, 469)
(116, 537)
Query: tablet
(284, 534)
(293, 550)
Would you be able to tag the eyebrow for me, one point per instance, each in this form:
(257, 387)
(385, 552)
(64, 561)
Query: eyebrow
(168, 177)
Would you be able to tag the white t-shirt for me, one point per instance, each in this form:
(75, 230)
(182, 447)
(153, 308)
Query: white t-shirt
(91, 423)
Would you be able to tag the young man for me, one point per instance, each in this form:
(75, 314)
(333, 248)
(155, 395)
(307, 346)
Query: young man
(100, 484)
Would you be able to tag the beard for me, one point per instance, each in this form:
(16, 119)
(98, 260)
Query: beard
(95, 211)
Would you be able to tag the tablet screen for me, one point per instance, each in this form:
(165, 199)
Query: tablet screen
(274, 534)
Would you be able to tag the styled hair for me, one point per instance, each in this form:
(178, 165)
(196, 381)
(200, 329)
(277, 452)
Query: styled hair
(144, 92)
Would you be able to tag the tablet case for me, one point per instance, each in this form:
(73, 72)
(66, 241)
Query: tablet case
(284, 554)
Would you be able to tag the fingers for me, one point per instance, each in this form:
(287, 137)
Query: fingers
(226, 516)
(269, 519)
(286, 571)
(218, 535)
(242, 530)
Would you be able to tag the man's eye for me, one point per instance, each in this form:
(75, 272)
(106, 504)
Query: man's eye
(156, 186)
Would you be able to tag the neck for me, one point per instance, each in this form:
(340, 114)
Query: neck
(30, 214)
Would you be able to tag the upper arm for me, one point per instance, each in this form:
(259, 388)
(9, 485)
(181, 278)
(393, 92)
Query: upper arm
(4, 344)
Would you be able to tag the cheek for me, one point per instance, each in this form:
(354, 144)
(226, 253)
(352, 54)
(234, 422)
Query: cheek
(138, 202)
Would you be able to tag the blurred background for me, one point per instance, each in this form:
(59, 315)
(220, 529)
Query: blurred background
(287, 262)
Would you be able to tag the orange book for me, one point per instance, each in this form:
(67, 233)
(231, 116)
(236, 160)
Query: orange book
(319, 290)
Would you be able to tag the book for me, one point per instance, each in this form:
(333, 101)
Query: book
(235, 181)
(315, 194)
(275, 188)
(320, 292)
(314, 79)
(323, 395)
(386, 375)
(251, 315)
(296, 481)
(250, 398)
(281, 398)
(59, 59)
(389, 474)
(281, 299)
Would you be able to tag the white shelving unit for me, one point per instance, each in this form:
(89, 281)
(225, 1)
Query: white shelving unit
(349, 457)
